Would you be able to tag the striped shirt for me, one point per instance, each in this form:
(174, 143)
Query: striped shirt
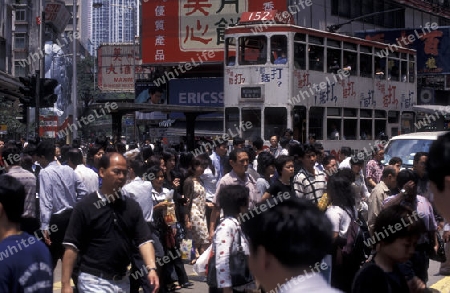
(60, 189)
(29, 182)
(310, 186)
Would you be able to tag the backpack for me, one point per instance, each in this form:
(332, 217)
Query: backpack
(355, 252)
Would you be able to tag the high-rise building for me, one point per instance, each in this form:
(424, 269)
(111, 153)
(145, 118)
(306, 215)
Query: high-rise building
(113, 21)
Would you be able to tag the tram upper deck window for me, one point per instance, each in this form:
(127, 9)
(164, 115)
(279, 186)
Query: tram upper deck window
(278, 47)
(315, 53)
(350, 58)
(333, 56)
(394, 66)
(365, 61)
(252, 50)
(411, 67)
(300, 51)
(230, 51)
(380, 65)
(403, 67)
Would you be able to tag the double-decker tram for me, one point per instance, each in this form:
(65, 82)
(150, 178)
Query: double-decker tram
(342, 90)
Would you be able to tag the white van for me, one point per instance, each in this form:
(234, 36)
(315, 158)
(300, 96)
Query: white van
(405, 146)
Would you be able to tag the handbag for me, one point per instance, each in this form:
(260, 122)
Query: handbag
(238, 262)
(440, 254)
(239, 270)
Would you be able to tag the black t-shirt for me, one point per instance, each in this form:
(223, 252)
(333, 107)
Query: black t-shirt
(95, 232)
(278, 188)
(372, 279)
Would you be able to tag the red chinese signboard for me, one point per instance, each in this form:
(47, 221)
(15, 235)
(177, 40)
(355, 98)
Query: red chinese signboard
(117, 65)
(177, 31)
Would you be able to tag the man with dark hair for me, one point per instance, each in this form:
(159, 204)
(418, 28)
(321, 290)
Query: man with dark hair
(25, 262)
(155, 95)
(381, 191)
(258, 145)
(296, 151)
(239, 161)
(439, 173)
(238, 142)
(104, 230)
(345, 155)
(87, 175)
(141, 192)
(416, 269)
(419, 166)
(29, 222)
(310, 182)
(59, 191)
(396, 162)
(218, 158)
(281, 258)
(330, 165)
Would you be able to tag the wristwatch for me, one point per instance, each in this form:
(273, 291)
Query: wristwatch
(150, 268)
(404, 191)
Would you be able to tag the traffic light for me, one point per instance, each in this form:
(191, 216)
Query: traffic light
(47, 96)
(28, 90)
(23, 112)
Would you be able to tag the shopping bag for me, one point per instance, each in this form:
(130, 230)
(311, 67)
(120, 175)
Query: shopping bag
(202, 262)
(185, 247)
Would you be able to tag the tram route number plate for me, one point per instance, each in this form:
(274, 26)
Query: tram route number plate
(251, 93)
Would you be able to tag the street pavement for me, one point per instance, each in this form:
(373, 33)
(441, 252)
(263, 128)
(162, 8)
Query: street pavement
(436, 281)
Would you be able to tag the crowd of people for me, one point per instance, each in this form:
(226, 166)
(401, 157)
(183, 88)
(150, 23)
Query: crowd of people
(289, 207)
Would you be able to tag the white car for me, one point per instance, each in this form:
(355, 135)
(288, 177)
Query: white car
(405, 146)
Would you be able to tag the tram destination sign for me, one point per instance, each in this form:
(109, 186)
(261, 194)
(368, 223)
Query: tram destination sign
(251, 93)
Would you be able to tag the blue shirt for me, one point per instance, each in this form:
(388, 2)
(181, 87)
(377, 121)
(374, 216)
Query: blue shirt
(25, 265)
(217, 163)
(141, 192)
(60, 188)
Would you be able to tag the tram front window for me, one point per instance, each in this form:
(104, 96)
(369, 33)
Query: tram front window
(231, 119)
(251, 118)
(252, 50)
(274, 121)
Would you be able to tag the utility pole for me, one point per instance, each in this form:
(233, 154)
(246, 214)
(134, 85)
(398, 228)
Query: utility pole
(74, 70)
(41, 72)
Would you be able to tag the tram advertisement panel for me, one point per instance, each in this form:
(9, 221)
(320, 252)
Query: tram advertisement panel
(344, 90)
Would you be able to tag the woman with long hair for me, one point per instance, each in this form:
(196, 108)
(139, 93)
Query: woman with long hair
(341, 213)
(195, 217)
(167, 231)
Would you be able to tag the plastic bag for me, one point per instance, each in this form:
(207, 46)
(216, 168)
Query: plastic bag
(202, 262)
(170, 217)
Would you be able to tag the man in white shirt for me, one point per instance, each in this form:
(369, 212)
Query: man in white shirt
(345, 155)
(87, 175)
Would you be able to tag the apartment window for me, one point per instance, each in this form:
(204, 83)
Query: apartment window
(21, 15)
(20, 68)
(355, 8)
(19, 42)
